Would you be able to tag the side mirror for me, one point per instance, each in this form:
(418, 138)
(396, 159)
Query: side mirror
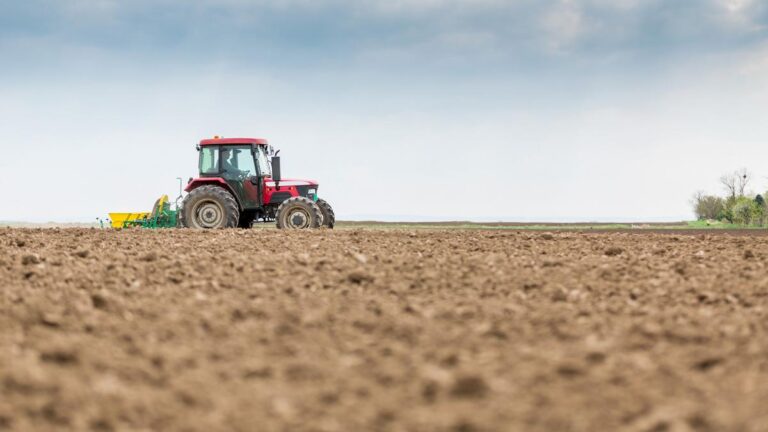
(276, 169)
(254, 180)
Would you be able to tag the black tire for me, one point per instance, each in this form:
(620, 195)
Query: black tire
(209, 207)
(329, 217)
(299, 213)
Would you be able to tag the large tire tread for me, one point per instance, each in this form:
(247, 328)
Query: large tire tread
(329, 217)
(316, 215)
(217, 193)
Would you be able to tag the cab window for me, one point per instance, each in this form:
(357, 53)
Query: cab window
(237, 161)
(209, 160)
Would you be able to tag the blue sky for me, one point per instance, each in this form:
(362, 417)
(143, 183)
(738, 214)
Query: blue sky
(484, 109)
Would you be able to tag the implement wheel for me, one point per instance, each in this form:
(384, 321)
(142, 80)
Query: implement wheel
(209, 207)
(299, 213)
(329, 217)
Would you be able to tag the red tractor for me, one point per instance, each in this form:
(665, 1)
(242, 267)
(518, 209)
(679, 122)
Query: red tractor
(240, 183)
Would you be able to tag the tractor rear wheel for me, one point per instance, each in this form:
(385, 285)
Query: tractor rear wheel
(299, 213)
(209, 207)
(329, 217)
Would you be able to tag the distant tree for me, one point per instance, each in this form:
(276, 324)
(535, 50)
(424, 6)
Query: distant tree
(765, 203)
(729, 183)
(743, 178)
(760, 210)
(726, 214)
(735, 184)
(735, 206)
(744, 211)
(707, 206)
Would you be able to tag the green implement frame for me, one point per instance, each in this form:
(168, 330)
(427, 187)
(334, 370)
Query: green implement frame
(162, 216)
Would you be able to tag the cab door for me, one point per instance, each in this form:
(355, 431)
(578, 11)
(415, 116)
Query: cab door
(238, 169)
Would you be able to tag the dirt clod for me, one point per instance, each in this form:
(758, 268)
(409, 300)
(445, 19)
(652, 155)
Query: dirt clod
(360, 277)
(51, 319)
(362, 259)
(99, 301)
(63, 356)
(149, 257)
(29, 259)
(470, 386)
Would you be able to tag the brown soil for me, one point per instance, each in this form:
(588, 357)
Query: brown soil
(639, 225)
(366, 330)
(703, 233)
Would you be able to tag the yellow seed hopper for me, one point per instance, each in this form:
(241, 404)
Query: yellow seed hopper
(119, 219)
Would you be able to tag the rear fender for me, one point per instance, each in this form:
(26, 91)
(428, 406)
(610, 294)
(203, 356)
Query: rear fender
(215, 181)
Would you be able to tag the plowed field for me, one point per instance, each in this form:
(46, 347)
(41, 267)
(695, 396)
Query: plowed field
(382, 330)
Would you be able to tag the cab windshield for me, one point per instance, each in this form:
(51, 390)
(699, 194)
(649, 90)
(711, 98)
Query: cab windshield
(265, 168)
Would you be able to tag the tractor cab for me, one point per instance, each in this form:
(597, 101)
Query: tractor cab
(246, 172)
(244, 166)
(235, 156)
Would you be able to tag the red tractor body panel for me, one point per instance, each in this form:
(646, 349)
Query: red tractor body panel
(195, 183)
(288, 188)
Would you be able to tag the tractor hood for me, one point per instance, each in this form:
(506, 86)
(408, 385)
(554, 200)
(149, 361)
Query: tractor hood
(290, 182)
(288, 188)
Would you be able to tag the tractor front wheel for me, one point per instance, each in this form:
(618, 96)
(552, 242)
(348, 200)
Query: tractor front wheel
(329, 217)
(209, 207)
(299, 213)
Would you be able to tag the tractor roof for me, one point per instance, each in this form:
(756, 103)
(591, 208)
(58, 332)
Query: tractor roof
(225, 141)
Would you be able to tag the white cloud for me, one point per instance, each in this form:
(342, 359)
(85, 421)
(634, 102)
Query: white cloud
(564, 25)
(737, 6)
(741, 15)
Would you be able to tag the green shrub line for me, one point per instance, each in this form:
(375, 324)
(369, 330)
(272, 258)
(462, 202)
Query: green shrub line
(740, 211)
